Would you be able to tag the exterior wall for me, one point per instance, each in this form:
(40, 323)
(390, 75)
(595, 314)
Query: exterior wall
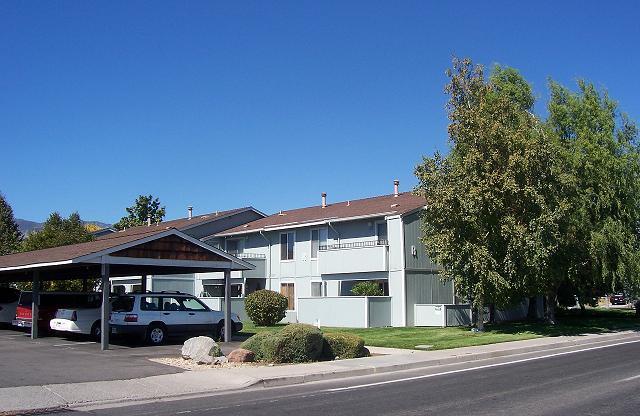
(396, 271)
(346, 311)
(426, 288)
(416, 257)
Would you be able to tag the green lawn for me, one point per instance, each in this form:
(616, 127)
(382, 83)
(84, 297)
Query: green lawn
(570, 323)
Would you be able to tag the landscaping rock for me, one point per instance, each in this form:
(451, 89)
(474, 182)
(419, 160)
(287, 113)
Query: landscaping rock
(202, 350)
(241, 356)
(219, 360)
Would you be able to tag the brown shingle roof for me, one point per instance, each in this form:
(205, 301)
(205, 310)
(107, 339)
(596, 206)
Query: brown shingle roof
(180, 223)
(65, 253)
(381, 205)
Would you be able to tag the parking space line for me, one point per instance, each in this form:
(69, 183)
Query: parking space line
(73, 343)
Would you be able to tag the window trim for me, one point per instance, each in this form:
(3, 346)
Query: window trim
(376, 231)
(319, 230)
(293, 254)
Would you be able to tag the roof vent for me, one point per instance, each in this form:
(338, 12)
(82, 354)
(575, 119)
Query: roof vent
(190, 211)
(348, 203)
(148, 220)
(245, 226)
(396, 183)
(281, 213)
(324, 200)
(395, 205)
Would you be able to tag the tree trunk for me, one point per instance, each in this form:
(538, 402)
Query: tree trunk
(551, 308)
(532, 312)
(492, 313)
(479, 316)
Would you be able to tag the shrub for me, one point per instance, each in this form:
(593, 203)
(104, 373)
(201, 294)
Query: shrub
(262, 345)
(298, 343)
(343, 345)
(367, 288)
(265, 307)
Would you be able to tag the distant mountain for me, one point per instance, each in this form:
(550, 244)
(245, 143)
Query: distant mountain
(27, 226)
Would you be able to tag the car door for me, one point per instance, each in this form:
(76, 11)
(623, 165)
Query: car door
(198, 316)
(175, 316)
(151, 311)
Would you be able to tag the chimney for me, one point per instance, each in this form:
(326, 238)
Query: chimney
(190, 211)
(324, 200)
(396, 183)
(148, 220)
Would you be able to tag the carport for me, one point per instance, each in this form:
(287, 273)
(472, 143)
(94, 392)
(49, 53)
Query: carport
(139, 251)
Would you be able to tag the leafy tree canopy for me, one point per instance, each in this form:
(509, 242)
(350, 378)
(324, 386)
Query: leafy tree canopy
(144, 207)
(10, 236)
(59, 231)
(494, 202)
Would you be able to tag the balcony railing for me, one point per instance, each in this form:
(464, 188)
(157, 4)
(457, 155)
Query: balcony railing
(257, 256)
(355, 244)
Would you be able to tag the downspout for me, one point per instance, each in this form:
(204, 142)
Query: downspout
(268, 260)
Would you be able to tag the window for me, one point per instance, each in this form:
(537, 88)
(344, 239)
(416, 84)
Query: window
(122, 304)
(289, 292)
(286, 246)
(234, 247)
(381, 233)
(217, 291)
(150, 303)
(190, 304)
(318, 289)
(318, 238)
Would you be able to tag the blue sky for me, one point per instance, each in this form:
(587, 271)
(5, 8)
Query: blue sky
(221, 105)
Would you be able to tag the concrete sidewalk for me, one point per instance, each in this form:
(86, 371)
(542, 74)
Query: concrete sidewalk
(53, 396)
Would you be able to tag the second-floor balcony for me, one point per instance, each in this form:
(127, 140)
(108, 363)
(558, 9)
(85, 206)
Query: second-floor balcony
(354, 257)
(257, 260)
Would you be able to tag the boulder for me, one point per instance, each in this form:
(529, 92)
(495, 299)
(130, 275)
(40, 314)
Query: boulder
(241, 356)
(201, 350)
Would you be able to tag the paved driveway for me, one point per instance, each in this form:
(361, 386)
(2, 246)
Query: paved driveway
(56, 359)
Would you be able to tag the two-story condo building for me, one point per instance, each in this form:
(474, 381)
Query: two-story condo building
(315, 255)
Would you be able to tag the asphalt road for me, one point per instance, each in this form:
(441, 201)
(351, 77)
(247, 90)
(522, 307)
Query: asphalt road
(75, 359)
(593, 382)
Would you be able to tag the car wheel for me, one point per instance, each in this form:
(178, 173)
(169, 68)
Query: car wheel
(96, 330)
(156, 334)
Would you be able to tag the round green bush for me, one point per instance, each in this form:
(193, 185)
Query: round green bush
(367, 288)
(342, 345)
(262, 345)
(265, 307)
(298, 343)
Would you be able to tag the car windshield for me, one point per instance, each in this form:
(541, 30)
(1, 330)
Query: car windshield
(122, 304)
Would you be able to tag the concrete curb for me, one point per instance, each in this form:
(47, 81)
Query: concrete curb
(298, 379)
(333, 371)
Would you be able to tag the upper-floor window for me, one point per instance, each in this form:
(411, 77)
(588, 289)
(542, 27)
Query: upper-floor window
(234, 246)
(318, 238)
(381, 233)
(286, 246)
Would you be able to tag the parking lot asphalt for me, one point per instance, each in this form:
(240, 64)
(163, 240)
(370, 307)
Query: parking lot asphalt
(75, 359)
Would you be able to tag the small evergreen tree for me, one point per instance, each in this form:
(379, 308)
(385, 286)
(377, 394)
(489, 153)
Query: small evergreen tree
(10, 236)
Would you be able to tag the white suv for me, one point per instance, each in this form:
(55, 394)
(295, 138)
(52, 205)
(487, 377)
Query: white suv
(156, 315)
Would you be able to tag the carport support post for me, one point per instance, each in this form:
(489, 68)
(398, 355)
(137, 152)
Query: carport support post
(143, 284)
(35, 303)
(104, 322)
(227, 305)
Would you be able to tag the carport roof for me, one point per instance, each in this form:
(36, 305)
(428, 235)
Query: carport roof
(143, 250)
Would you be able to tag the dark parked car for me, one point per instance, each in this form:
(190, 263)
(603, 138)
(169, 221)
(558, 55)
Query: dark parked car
(617, 299)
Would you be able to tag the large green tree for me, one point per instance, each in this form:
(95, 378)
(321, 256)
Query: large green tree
(59, 231)
(143, 208)
(599, 249)
(10, 236)
(495, 201)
